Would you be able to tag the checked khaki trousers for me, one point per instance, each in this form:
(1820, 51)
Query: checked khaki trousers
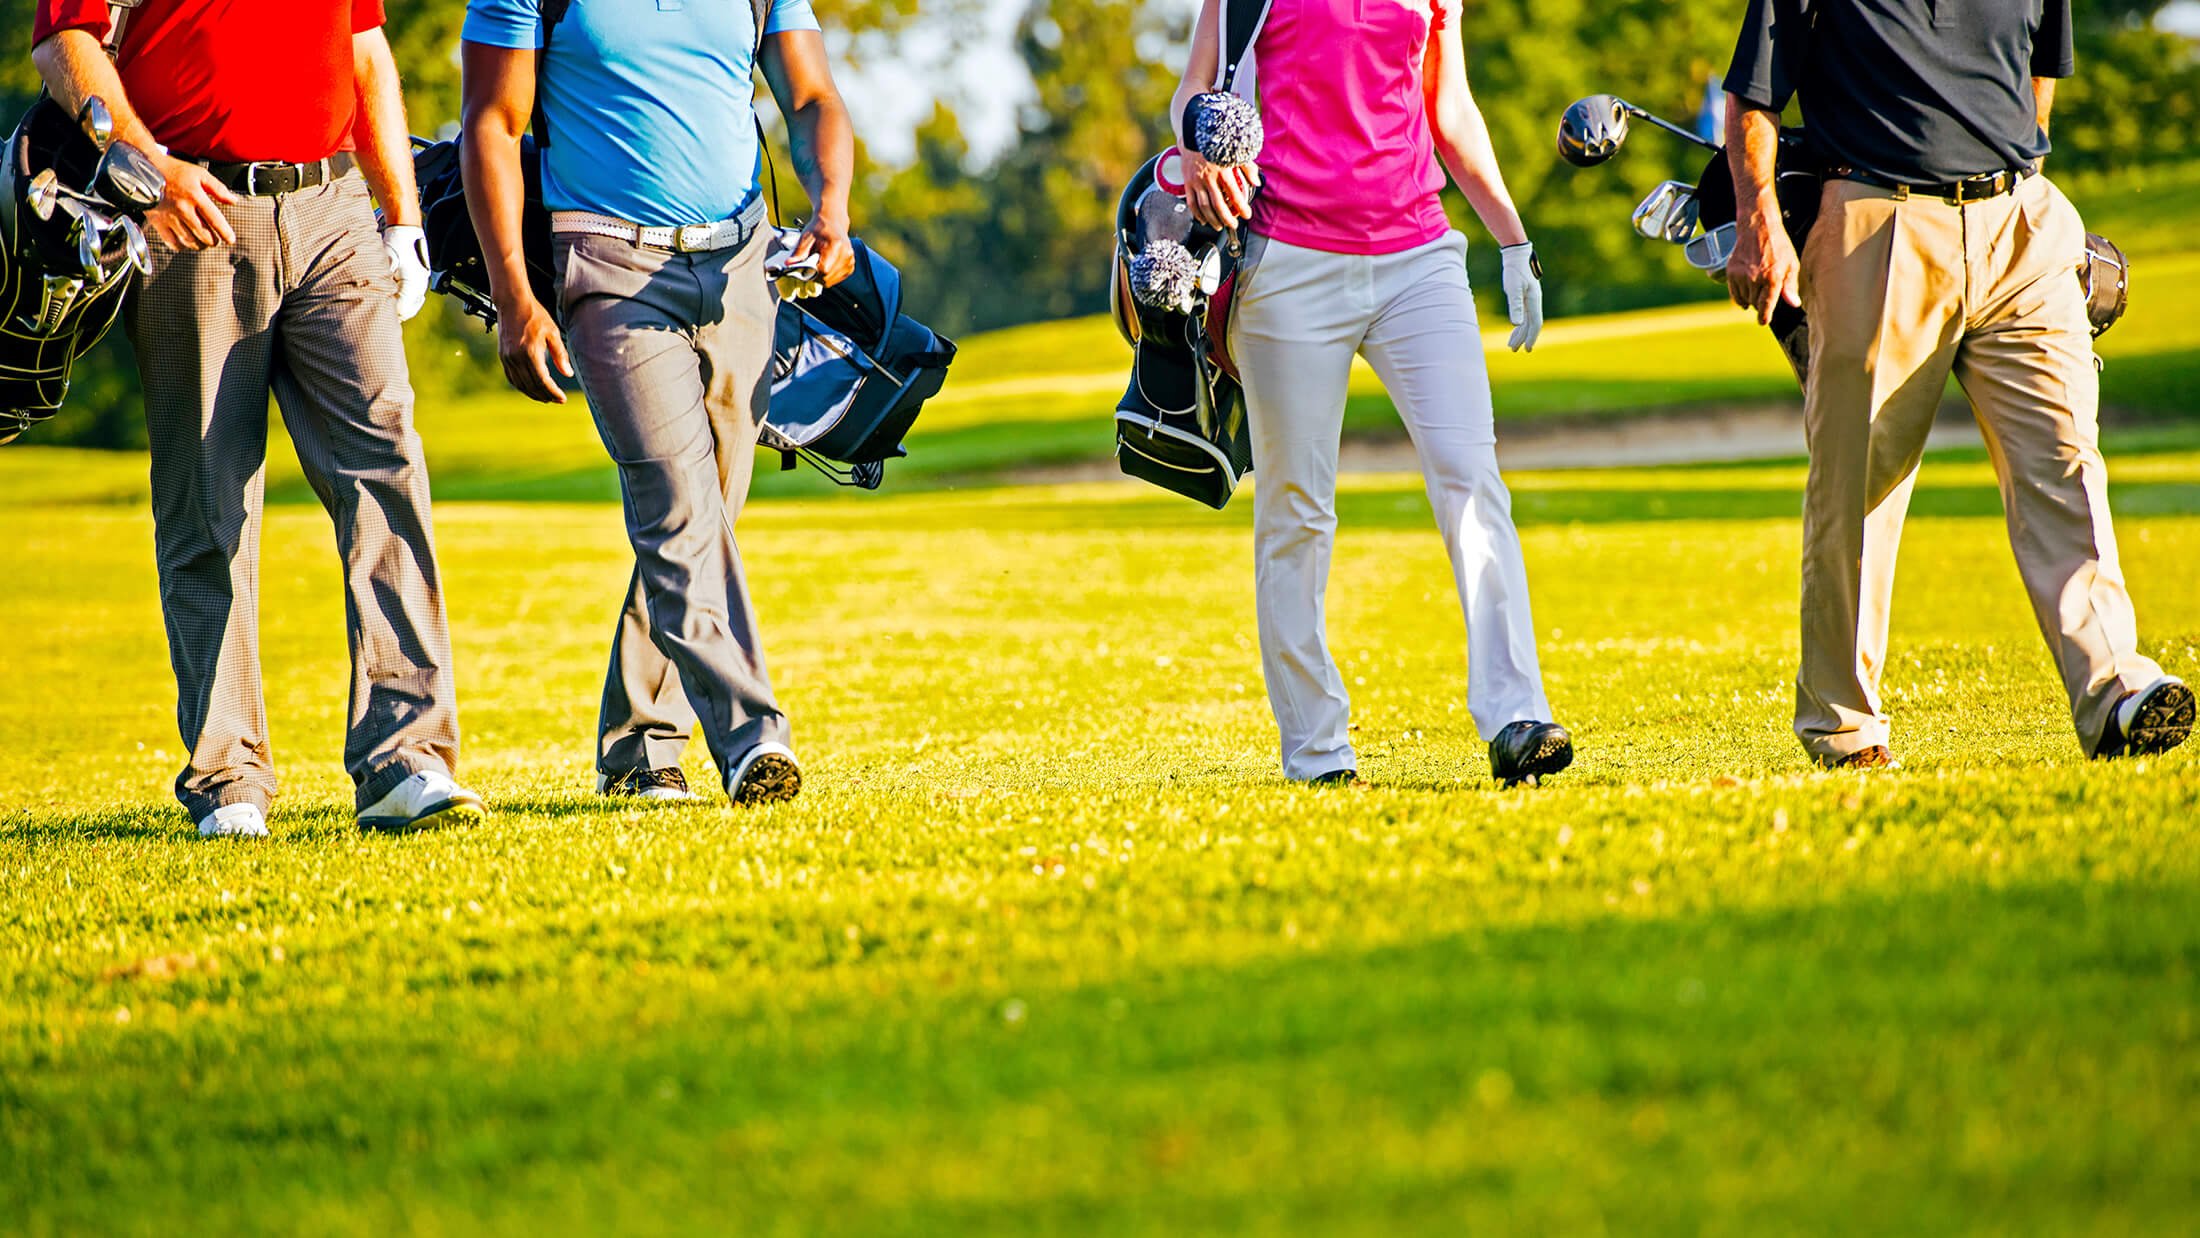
(674, 352)
(303, 305)
(1901, 293)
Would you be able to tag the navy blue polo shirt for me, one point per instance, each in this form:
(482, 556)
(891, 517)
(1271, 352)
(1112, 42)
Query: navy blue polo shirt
(1916, 91)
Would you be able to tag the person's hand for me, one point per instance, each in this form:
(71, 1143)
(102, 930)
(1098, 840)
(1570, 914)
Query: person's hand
(1763, 270)
(1220, 195)
(189, 215)
(407, 247)
(825, 238)
(528, 343)
(1523, 294)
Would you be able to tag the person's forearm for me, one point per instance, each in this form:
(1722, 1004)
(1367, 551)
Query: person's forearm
(1752, 156)
(823, 141)
(2043, 99)
(1463, 142)
(75, 67)
(382, 141)
(496, 194)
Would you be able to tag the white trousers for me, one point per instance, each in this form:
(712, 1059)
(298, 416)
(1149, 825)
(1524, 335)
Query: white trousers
(1300, 316)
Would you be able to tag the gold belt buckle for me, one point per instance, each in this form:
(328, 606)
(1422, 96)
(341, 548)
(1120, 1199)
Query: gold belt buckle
(692, 238)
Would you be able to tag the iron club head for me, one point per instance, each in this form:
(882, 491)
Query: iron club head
(43, 193)
(134, 250)
(98, 122)
(1668, 213)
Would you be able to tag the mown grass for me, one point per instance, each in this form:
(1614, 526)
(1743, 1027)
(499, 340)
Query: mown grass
(1048, 946)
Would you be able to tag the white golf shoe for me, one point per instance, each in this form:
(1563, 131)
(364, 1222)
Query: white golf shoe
(767, 774)
(424, 801)
(234, 821)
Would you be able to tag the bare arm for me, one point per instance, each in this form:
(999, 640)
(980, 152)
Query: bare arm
(1764, 269)
(75, 67)
(1219, 196)
(380, 134)
(823, 141)
(498, 97)
(1463, 138)
(2043, 99)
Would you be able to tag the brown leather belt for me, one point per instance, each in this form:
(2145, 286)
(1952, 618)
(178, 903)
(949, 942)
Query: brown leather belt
(272, 178)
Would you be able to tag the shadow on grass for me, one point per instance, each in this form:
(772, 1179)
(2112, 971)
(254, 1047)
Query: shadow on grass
(1973, 1058)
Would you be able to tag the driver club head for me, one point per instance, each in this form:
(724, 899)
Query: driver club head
(1592, 130)
(43, 193)
(128, 179)
(98, 122)
(1668, 213)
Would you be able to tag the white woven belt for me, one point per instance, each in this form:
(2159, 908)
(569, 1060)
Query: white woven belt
(679, 239)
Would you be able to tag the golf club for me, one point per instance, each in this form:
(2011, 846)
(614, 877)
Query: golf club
(97, 122)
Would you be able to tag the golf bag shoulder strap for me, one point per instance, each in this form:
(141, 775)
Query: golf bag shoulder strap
(118, 18)
(549, 14)
(1241, 23)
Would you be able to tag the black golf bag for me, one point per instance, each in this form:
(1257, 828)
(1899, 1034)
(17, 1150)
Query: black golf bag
(1181, 422)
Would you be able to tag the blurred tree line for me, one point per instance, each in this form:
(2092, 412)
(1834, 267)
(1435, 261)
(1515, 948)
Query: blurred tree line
(1026, 236)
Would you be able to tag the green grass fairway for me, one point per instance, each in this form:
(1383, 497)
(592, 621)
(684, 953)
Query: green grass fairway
(1049, 947)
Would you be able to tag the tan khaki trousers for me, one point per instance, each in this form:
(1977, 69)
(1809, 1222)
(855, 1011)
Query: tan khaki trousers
(1902, 292)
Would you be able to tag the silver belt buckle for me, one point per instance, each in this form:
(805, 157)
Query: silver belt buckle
(251, 180)
(693, 238)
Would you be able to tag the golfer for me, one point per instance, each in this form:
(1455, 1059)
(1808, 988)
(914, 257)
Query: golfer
(660, 238)
(268, 274)
(1350, 252)
(1939, 248)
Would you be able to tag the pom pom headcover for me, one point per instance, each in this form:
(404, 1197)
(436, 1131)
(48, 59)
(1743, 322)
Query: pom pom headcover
(1225, 128)
(1165, 276)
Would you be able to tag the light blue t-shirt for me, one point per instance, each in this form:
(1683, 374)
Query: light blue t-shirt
(650, 103)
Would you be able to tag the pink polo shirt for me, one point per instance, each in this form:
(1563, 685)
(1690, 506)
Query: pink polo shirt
(1348, 165)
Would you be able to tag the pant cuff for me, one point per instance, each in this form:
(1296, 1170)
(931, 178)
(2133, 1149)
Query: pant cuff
(200, 803)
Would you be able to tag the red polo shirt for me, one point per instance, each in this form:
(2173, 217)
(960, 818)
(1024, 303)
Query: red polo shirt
(234, 79)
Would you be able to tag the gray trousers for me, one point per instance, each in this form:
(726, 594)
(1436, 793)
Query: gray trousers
(674, 351)
(303, 305)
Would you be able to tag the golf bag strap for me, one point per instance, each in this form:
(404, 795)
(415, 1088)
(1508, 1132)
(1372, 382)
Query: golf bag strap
(118, 18)
(1241, 23)
(550, 13)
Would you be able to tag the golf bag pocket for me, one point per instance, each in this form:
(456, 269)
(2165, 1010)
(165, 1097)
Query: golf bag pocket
(850, 372)
(1181, 425)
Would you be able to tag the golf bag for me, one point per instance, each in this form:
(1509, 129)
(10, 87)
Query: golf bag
(850, 372)
(72, 209)
(456, 267)
(1181, 423)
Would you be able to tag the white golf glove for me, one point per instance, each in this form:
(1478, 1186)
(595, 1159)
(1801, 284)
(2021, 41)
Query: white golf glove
(408, 251)
(1523, 294)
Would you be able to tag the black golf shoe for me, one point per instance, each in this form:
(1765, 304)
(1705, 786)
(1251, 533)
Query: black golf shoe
(1526, 752)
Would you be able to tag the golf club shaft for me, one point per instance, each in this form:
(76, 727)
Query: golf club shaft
(1670, 127)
